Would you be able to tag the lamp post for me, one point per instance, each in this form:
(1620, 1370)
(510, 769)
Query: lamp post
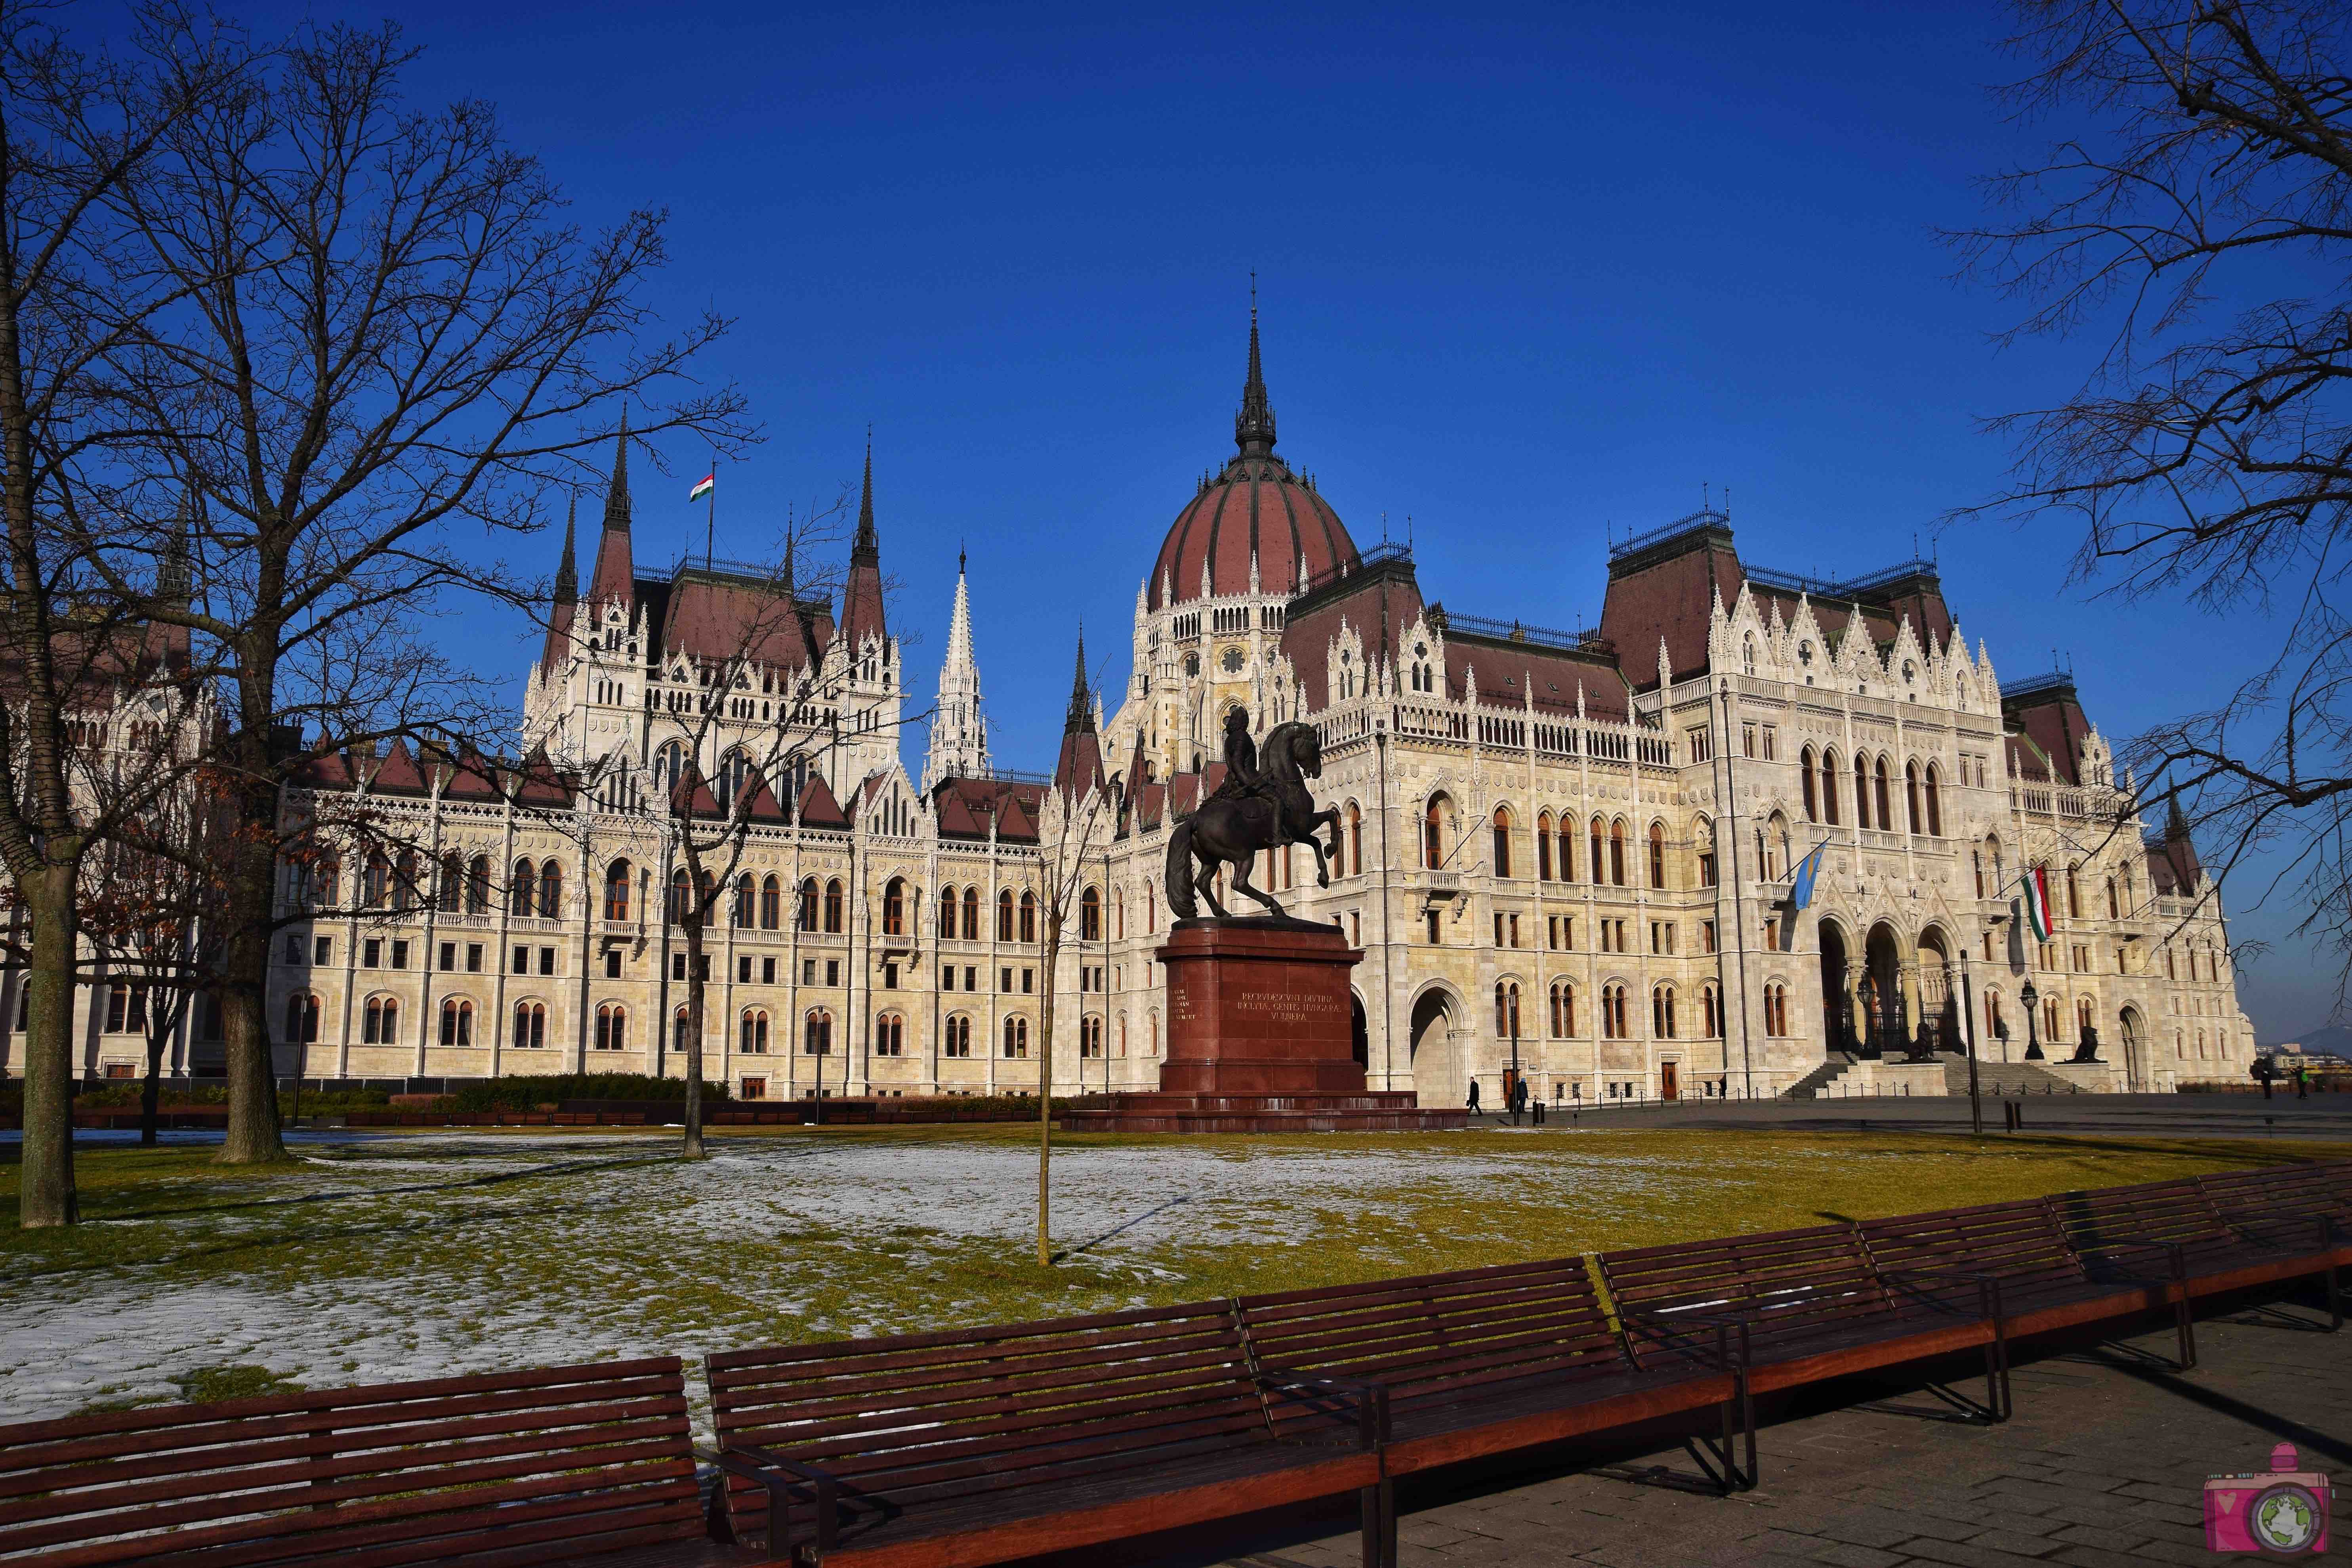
(2031, 999)
(1512, 1093)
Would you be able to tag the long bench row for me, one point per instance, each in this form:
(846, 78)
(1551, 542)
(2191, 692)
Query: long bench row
(972, 1447)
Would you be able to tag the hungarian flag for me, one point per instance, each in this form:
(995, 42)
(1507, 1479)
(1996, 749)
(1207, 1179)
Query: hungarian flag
(709, 482)
(2035, 889)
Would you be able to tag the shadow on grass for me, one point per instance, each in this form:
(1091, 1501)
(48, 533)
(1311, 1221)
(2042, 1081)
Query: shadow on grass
(491, 1179)
(1069, 1252)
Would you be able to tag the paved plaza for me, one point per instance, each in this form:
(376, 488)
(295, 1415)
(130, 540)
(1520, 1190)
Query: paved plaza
(2144, 1115)
(2102, 1466)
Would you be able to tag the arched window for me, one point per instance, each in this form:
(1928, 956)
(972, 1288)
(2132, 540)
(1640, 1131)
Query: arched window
(404, 881)
(1118, 917)
(526, 878)
(1775, 1009)
(1433, 834)
(1090, 1037)
(1612, 1011)
(612, 1027)
(1004, 915)
(530, 1025)
(457, 1022)
(833, 905)
(551, 890)
(947, 913)
(1016, 1038)
(380, 1024)
(735, 775)
(1706, 836)
(1657, 854)
(680, 1033)
(1913, 812)
(816, 1033)
(1090, 915)
(681, 898)
(1995, 1024)
(809, 900)
(1599, 861)
(894, 906)
(889, 1034)
(2074, 893)
(1661, 1012)
(1563, 1009)
(2049, 1018)
(1829, 788)
(617, 891)
(772, 902)
(971, 914)
(1617, 853)
(1502, 841)
(477, 885)
(1813, 799)
(1710, 1007)
(1935, 802)
(669, 768)
(957, 1042)
(301, 1018)
(2081, 1018)
(1885, 817)
(1355, 839)
(2114, 905)
(1028, 917)
(1507, 1011)
(747, 901)
(1861, 794)
(1543, 847)
(752, 1031)
(448, 884)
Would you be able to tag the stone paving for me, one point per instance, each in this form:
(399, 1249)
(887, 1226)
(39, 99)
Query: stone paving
(2102, 1466)
(2322, 1116)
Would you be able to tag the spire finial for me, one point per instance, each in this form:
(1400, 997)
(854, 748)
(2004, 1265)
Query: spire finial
(567, 577)
(864, 547)
(1253, 426)
(616, 495)
(1081, 717)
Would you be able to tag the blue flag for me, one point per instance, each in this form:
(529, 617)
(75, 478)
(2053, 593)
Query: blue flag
(1800, 890)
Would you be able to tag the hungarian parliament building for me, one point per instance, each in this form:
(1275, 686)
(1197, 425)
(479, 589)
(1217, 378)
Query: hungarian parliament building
(1570, 854)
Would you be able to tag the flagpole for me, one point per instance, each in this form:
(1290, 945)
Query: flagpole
(711, 529)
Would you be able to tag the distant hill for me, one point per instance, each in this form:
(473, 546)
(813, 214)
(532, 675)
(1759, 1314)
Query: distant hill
(2329, 1039)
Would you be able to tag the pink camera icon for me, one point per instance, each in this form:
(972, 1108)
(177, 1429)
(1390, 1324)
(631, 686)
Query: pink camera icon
(2282, 1511)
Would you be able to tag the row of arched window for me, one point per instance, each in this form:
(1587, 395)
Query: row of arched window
(1666, 1016)
(1609, 857)
(1873, 791)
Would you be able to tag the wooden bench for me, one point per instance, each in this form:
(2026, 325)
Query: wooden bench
(2289, 1208)
(572, 1465)
(1487, 1361)
(1809, 1304)
(977, 1445)
(2038, 1282)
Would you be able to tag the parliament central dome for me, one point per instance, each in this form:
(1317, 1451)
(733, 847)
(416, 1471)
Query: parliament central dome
(1256, 510)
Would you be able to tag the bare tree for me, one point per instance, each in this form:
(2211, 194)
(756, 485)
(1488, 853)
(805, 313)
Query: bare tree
(385, 332)
(76, 129)
(2199, 231)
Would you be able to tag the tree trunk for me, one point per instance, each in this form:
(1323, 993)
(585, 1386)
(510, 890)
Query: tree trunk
(46, 1194)
(150, 1093)
(1045, 1091)
(253, 1131)
(690, 1145)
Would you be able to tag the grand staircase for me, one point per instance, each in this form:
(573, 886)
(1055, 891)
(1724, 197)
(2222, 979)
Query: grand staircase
(1809, 1086)
(2010, 1079)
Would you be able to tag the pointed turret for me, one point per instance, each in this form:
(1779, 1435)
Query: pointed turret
(1253, 425)
(173, 581)
(567, 576)
(615, 573)
(2173, 862)
(1081, 716)
(565, 606)
(861, 605)
(958, 746)
(1080, 766)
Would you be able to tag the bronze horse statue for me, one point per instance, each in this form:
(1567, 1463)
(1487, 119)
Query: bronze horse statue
(1230, 830)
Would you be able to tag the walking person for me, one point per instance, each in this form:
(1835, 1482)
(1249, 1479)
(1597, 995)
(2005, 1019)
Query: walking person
(1474, 1097)
(2302, 1083)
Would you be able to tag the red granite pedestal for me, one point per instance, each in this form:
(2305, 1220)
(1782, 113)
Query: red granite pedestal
(1260, 1039)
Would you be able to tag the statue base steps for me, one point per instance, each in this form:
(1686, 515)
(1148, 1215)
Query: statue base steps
(1360, 1112)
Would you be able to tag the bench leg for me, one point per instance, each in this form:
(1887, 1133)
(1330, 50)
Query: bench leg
(2186, 1325)
(1997, 1390)
(1376, 1508)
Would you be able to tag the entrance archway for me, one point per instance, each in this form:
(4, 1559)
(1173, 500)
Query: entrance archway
(1837, 1009)
(1939, 1000)
(1881, 991)
(1358, 1036)
(1430, 1043)
(2136, 1075)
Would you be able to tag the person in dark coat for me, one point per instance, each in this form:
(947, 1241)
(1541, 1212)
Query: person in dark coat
(1474, 1097)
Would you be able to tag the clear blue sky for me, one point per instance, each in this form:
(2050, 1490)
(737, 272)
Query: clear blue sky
(1527, 272)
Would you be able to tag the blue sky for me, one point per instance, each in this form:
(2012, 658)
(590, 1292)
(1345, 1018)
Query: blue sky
(1528, 274)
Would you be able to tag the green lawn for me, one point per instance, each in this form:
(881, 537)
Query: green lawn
(402, 1254)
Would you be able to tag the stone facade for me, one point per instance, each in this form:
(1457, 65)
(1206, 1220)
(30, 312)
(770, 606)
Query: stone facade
(1586, 841)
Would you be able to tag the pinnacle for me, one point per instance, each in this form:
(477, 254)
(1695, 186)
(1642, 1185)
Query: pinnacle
(616, 496)
(864, 546)
(567, 576)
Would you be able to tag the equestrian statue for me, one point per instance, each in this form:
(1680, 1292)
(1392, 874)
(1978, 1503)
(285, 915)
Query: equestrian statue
(1257, 807)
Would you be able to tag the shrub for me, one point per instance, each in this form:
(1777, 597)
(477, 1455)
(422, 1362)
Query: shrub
(525, 1091)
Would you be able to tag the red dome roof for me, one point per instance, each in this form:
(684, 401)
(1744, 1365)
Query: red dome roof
(1255, 509)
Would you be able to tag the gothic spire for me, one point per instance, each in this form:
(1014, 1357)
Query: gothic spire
(173, 576)
(959, 747)
(1253, 425)
(567, 576)
(864, 547)
(1081, 718)
(617, 497)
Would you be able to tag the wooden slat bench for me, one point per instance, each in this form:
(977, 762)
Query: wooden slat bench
(1487, 1361)
(1809, 1303)
(572, 1465)
(939, 1450)
(2289, 1209)
(2216, 1255)
(2040, 1282)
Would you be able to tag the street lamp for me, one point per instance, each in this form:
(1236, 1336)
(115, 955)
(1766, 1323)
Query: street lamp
(2032, 1040)
(1511, 1095)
